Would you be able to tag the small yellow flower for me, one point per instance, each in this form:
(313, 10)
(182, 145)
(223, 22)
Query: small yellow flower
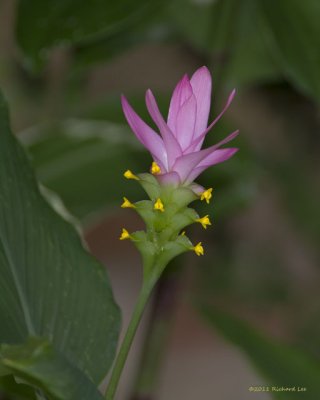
(198, 249)
(127, 204)
(206, 195)
(204, 221)
(158, 205)
(125, 235)
(155, 169)
(129, 175)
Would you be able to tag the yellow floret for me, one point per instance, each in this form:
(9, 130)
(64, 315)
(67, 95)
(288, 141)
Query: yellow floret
(204, 221)
(198, 249)
(206, 195)
(127, 204)
(125, 234)
(155, 169)
(158, 205)
(129, 175)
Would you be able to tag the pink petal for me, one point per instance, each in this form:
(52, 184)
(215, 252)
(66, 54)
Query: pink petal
(186, 163)
(186, 122)
(170, 178)
(147, 136)
(171, 144)
(197, 143)
(196, 188)
(218, 156)
(181, 93)
(201, 86)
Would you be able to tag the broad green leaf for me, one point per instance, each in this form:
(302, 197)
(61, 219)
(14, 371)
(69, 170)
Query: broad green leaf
(50, 286)
(42, 24)
(294, 40)
(280, 364)
(84, 161)
(38, 364)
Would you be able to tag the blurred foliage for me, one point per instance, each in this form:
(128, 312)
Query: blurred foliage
(295, 41)
(16, 391)
(267, 49)
(42, 25)
(282, 365)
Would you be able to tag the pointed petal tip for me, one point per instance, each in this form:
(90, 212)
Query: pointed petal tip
(124, 103)
(202, 74)
(203, 70)
(185, 77)
(235, 133)
(185, 84)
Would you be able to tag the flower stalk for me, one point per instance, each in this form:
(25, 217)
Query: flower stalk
(142, 300)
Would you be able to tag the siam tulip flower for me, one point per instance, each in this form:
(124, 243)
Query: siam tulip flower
(177, 154)
(177, 161)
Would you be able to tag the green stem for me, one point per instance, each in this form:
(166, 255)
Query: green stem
(163, 307)
(143, 297)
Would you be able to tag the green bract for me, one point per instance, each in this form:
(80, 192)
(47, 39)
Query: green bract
(165, 214)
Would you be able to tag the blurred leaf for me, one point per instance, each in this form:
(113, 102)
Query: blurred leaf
(36, 363)
(192, 21)
(43, 24)
(109, 109)
(46, 275)
(294, 40)
(84, 161)
(300, 193)
(232, 33)
(149, 29)
(250, 60)
(279, 363)
(234, 182)
(16, 391)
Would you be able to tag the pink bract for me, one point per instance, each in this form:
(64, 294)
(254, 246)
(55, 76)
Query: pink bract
(178, 150)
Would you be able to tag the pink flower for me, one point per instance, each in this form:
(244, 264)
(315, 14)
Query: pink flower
(178, 150)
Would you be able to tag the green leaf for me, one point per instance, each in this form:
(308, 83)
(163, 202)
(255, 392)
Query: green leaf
(38, 364)
(84, 161)
(232, 34)
(16, 391)
(43, 24)
(148, 30)
(50, 286)
(192, 21)
(250, 59)
(294, 40)
(280, 364)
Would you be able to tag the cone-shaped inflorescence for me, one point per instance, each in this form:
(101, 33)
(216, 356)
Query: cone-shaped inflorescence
(165, 214)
